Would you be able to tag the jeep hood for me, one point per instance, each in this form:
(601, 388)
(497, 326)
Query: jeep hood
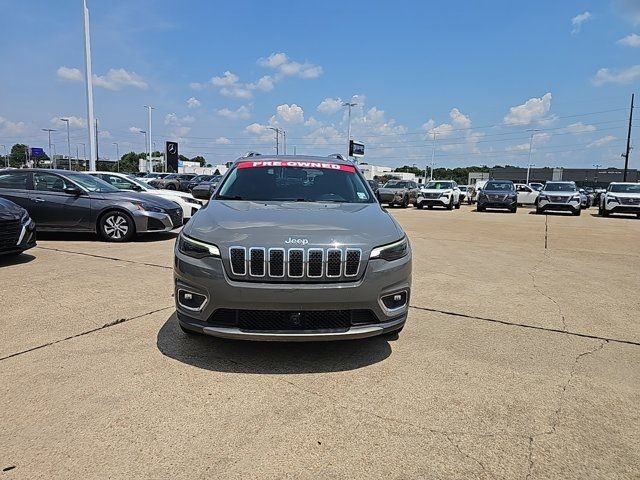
(273, 224)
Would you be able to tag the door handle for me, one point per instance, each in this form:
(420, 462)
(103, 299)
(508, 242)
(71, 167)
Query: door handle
(37, 200)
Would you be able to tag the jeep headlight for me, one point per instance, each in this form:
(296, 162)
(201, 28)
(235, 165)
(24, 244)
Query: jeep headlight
(195, 248)
(391, 251)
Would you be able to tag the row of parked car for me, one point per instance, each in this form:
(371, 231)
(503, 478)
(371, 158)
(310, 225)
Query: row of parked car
(619, 197)
(200, 186)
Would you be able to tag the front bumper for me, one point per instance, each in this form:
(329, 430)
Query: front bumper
(573, 206)
(26, 239)
(510, 203)
(153, 222)
(207, 277)
(390, 197)
(614, 207)
(436, 202)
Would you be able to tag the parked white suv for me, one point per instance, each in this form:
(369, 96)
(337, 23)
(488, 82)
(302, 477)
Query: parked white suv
(441, 193)
(620, 197)
(526, 194)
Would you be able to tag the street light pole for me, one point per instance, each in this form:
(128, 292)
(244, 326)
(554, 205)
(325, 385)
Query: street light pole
(349, 105)
(68, 142)
(84, 155)
(149, 164)
(595, 176)
(49, 130)
(284, 141)
(533, 134)
(117, 154)
(145, 142)
(529, 170)
(433, 156)
(6, 157)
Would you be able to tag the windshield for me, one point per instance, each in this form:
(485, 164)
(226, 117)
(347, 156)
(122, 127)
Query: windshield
(171, 176)
(396, 184)
(506, 186)
(439, 185)
(144, 185)
(294, 181)
(92, 184)
(201, 178)
(560, 187)
(626, 188)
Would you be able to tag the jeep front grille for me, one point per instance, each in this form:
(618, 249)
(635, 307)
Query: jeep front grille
(294, 264)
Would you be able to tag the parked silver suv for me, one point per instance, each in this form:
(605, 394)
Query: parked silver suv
(292, 249)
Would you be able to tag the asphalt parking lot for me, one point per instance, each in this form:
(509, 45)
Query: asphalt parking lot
(520, 360)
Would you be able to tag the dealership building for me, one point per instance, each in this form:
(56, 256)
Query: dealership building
(584, 177)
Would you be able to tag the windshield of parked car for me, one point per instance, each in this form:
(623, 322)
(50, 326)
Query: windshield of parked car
(560, 187)
(439, 185)
(171, 176)
(144, 185)
(92, 184)
(294, 181)
(506, 186)
(200, 178)
(396, 184)
(626, 188)
(155, 175)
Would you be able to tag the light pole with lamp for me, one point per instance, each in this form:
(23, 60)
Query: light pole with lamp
(533, 134)
(149, 163)
(349, 105)
(84, 155)
(433, 155)
(117, 155)
(68, 142)
(49, 130)
(6, 157)
(145, 146)
(277, 130)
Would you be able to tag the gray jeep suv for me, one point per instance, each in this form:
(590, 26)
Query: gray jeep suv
(292, 249)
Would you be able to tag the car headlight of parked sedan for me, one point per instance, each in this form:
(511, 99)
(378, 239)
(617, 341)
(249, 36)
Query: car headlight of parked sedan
(149, 208)
(391, 251)
(195, 248)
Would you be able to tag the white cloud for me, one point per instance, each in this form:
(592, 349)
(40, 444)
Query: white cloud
(632, 40)
(236, 92)
(174, 120)
(197, 86)
(227, 79)
(290, 113)
(222, 141)
(74, 122)
(135, 130)
(265, 83)
(256, 129)
(579, 128)
(459, 119)
(578, 20)
(530, 111)
(242, 112)
(330, 105)
(602, 141)
(193, 102)
(289, 68)
(104, 134)
(10, 128)
(117, 78)
(70, 74)
(621, 77)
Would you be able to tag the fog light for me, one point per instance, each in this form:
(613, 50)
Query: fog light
(191, 300)
(395, 300)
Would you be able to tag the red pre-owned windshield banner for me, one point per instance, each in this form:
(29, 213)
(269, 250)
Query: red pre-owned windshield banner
(297, 164)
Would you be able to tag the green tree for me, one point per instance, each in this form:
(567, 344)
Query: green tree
(200, 159)
(18, 155)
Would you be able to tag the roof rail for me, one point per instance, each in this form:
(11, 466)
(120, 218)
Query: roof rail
(339, 156)
(251, 154)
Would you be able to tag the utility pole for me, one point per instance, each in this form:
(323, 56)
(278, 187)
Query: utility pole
(349, 105)
(93, 140)
(529, 170)
(84, 155)
(78, 156)
(277, 130)
(433, 156)
(48, 130)
(97, 150)
(149, 163)
(284, 141)
(117, 154)
(145, 141)
(68, 142)
(626, 155)
(533, 134)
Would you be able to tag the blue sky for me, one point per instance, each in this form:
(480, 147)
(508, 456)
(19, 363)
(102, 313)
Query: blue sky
(479, 74)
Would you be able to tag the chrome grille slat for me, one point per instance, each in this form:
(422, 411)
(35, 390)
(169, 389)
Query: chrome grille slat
(295, 264)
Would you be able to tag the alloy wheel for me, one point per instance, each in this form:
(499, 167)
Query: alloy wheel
(116, 226)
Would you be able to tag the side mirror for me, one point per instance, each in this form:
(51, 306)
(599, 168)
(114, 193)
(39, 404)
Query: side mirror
(201, 194)
(72, 190)
(136, 188)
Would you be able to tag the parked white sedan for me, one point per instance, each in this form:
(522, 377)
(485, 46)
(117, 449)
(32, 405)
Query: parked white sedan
(189, 204)
(526, 194)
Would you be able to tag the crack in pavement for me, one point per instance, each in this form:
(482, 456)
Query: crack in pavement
(557, 412)
(115, 259)
(86, 332)
(532, 274)
(524, 325)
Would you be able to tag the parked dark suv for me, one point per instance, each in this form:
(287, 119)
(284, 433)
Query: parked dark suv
(498, 194)
(60, 200)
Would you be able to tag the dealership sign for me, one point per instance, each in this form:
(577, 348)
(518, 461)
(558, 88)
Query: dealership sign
(356, 149)
(171, 151)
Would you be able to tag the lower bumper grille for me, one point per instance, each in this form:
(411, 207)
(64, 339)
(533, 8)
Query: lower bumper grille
(270, 320)
(176, 217)
(9, 233)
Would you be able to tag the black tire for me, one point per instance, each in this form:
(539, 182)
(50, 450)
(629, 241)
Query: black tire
(638, 215)
(170, 186)
(430, 207)
(539, 211)
(419, 205)
(605, 212)
(450, 206)
(116, 226)
(514, 209)
(459, 204)
(576, 213)
(479, 208)
(405, 202)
